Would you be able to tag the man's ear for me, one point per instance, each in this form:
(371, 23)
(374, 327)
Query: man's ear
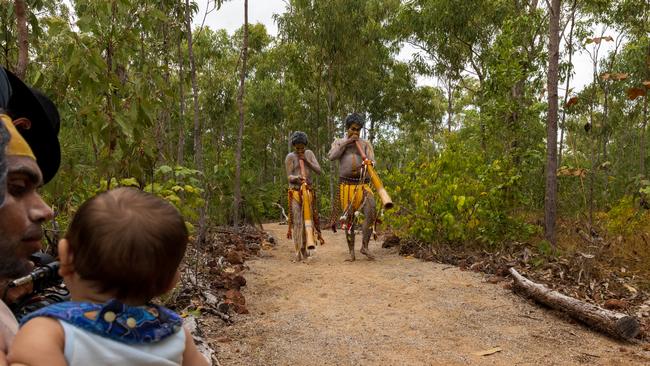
(66, 257)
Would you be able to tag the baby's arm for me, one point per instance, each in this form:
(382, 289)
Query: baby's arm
(192, 356)
(39, 342)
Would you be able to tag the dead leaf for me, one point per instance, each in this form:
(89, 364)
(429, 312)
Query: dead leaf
(571, 172)
(605, 76)
(615, 304)
(646, 83)
(619, 76)
(488, 352)
(571, 102)
(630, 288)
(634, 93)
(597, 40)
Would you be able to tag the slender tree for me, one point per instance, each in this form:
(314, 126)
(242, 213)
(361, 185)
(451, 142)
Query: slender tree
(569, 44)
(23, 43)
(550, 199)
(181, 96)
(240, 134)
(198, 145)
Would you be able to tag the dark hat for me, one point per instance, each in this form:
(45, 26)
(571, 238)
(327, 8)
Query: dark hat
(354, 118)
(26, 102)
(4, 140)
(298, 137)
(5, 89)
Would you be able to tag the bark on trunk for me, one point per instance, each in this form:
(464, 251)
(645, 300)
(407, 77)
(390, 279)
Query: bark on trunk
(163, 116)
(450, 105)
(198, 148)
(330, 127)
(110, 93)
(550, 199)
(644, 125)
(568, 82)
(198, 145)
(615, 324)
(240, 135)
(642, 142)
(181, 95)
(22, 34)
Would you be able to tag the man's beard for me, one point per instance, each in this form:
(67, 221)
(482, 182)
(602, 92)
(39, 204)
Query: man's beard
(11, 266)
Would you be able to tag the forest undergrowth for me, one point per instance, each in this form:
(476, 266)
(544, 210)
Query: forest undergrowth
(597, 266)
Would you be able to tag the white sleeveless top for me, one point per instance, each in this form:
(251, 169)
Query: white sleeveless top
(85, 348)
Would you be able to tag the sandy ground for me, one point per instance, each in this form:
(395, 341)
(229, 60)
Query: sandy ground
(396, 311)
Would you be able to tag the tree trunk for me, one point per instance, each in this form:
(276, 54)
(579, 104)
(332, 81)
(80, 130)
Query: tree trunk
(163, 116)
(110, 108)
(642, 141)
(644, 124)
(450, 105)
(330, 128)
(23, 43)
(198, 146)
(240, 135)
(618, 325)
(181, 95)
(568, 82)
(550, 199)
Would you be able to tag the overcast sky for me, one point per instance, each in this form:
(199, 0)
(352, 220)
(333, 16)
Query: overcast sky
(231, 16)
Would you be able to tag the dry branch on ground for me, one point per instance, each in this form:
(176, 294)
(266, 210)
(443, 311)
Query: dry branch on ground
(616, 324)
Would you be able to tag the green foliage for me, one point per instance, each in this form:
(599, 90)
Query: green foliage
(545, 248)
(455, 197)
(463, 159)
(180, 186)
(625, 217)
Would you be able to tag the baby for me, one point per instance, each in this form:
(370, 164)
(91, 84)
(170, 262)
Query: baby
(122, 249)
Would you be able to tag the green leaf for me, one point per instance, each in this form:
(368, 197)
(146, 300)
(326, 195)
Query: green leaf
(460, 201)
(164, 169)
(129, 182)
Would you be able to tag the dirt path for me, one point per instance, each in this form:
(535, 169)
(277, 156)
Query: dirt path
(396, 311)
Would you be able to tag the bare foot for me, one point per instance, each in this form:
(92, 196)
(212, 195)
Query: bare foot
(366, 252)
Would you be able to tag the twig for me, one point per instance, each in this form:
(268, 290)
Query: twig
(530, 317)
(589, 354)
(283, 212)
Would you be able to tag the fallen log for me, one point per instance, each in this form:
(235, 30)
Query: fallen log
(616, 324)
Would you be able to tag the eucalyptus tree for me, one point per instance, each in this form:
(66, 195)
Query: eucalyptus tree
(550, 198)
(23, 42)
(240, 135)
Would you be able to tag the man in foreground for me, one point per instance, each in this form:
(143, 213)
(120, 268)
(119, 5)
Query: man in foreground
(32, 158)
(355, 194)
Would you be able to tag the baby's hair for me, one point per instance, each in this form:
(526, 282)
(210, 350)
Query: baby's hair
(128, 242)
